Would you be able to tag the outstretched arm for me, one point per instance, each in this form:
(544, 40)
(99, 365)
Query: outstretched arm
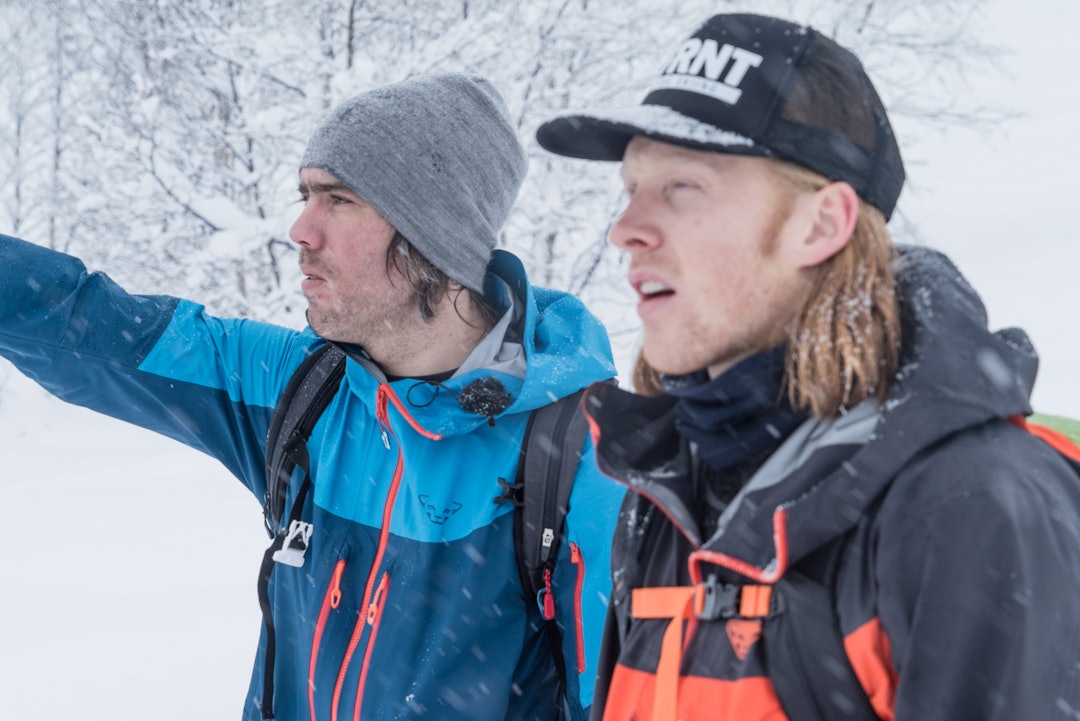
(156, 361)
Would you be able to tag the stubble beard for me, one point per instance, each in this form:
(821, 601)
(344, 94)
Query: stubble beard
(323, 325)
(373, 324)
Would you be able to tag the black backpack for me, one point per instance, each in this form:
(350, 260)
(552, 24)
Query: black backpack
(549, 457)
(812, 674)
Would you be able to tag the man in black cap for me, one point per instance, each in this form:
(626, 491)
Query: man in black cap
(835, 511)
(393, 589)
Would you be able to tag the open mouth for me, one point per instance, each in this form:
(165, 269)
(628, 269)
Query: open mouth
(654, 289)
(311, 282)
(310, 274)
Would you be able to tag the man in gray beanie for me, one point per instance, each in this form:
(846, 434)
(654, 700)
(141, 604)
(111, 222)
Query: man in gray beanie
(437, 157)
(393, 587)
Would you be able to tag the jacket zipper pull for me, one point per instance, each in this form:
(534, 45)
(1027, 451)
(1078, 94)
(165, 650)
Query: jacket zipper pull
(335, 585)
(376, 601)
(382, 414)
(549, 597)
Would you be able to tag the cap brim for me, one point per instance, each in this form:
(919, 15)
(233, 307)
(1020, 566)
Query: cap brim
(604, 136)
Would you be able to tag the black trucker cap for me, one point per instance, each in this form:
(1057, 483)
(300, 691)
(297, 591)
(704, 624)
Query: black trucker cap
(755, 85)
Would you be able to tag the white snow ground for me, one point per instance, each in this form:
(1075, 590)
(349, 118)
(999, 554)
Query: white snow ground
(129, 565)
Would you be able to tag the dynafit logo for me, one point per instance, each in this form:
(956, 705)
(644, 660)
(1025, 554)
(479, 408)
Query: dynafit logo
(708, 68)
(743, 633)
(438, 513)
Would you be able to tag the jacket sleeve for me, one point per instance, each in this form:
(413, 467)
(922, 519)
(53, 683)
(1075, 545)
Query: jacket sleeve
(583, 577)
(155, 361)
(979, 576)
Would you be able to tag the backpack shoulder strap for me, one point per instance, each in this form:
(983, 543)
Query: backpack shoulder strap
(313, 384)
(808, 663)
(1056, 439)
(550, 452)
(306, 396)
(812, 674)
(549, 458)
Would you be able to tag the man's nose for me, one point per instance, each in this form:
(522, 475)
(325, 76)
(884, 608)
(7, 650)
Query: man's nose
(305, 229)
(635, 228)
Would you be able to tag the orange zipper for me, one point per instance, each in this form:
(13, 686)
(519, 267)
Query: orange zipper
(332, 599)
(383, 397)
(374, 618)
(579, 561)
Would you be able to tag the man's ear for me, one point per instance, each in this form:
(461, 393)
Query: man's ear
(834, 211)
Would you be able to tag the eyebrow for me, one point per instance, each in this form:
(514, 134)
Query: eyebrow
(316, 188)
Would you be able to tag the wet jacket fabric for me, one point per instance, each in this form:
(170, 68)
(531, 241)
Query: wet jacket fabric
(408, 603)
(958, 570)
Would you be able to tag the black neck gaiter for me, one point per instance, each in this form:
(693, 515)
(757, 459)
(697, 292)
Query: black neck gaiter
(738, 415)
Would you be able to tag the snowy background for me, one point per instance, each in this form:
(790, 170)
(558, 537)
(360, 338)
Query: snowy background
(130, 561)
(1004, 203)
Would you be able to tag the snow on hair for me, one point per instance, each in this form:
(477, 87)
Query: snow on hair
(844, 345)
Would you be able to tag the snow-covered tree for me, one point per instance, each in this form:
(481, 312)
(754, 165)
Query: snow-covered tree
(160, 139)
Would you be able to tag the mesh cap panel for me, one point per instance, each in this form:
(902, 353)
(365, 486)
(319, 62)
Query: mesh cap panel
(754, 85)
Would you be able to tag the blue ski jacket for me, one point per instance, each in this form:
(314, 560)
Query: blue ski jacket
(408, 602)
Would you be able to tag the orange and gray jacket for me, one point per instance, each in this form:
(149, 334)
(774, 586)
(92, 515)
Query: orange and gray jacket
(956, 575)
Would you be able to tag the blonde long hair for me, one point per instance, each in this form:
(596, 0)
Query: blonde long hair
(844, 344)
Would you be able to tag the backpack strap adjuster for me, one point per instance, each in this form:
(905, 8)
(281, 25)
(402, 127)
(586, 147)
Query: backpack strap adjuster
(512, 493)
(714, 600)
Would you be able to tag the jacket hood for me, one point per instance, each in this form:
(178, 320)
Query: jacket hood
(565, 348)
(954, 374)
(954, 371)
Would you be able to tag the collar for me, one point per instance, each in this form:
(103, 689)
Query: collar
(500, 349)
(737, 415)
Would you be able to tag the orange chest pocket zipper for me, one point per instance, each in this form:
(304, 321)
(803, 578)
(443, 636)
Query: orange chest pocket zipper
(331, 600)
(371, 616)
(374, 618)
(579, 633)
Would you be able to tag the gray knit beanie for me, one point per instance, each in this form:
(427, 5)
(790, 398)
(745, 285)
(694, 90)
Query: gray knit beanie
(437, 157)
